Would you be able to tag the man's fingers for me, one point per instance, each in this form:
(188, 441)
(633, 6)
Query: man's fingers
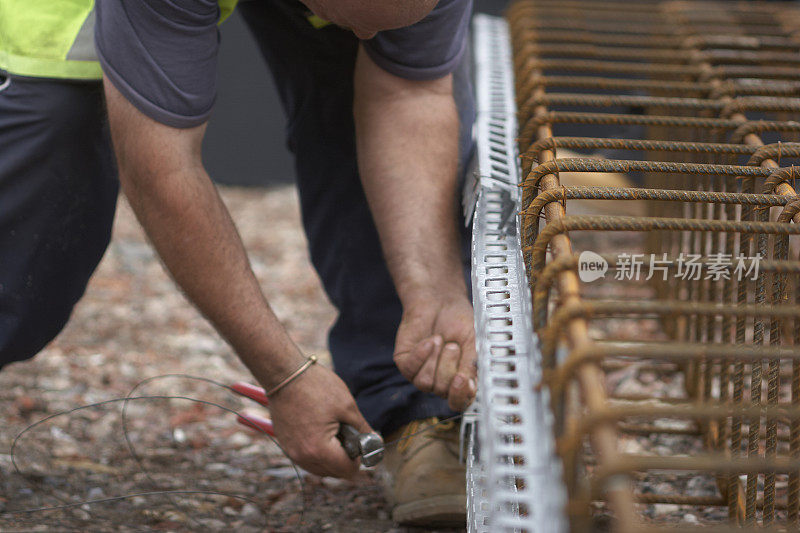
(411, 362)
(340, 464)
(461, 393)
(464, 386)
(329, 460)
(425, 377)
(446, 368)
(353, 417)
(467, 365)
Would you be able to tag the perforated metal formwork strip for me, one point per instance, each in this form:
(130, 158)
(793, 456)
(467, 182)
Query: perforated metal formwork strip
(513, 475)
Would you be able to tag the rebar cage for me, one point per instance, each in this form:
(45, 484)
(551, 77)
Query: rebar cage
(695, 103)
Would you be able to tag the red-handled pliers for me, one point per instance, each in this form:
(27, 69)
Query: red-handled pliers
(369, 446)
(258, 394)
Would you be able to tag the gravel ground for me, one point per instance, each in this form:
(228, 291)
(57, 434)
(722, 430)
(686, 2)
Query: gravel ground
(133, 324)
(657, 381)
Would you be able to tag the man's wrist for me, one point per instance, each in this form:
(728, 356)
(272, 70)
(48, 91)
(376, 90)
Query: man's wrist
(434, 288)
(270, 367)
(425, 296)
(308, 363)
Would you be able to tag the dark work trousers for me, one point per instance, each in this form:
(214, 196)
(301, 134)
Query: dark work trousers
(58, 193)
(313, 70)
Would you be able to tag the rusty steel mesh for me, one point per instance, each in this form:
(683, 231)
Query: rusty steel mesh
(696, 102)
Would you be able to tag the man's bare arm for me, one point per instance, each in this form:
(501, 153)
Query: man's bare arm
(407, 139)
(162, 175)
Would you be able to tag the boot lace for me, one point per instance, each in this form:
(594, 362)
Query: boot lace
(435, 430)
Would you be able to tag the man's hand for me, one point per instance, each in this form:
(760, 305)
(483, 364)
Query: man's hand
(435, 349)
(307, 414)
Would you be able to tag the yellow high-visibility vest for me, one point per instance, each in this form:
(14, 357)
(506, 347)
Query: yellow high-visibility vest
(55, 38)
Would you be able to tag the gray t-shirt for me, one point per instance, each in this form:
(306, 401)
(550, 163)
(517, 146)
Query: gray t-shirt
(162, 54)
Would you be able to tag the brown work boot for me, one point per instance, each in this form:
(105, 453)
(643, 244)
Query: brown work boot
(426, 482)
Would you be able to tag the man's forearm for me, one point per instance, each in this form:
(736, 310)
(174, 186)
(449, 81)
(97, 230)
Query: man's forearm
(195, 237)
(193, 233)
(408, 155)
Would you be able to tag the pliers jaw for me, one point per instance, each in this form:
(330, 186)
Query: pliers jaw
(367, 445)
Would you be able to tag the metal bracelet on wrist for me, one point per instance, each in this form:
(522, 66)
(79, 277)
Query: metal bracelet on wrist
(311, 360)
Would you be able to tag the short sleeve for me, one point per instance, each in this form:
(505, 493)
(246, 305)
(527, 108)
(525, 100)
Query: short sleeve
(161, 55)
(427, 50)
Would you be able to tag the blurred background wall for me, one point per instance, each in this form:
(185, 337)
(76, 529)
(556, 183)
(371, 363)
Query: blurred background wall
(244, 144)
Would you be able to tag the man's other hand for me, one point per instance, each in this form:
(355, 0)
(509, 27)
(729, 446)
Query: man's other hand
(306, 415)
(435, 348)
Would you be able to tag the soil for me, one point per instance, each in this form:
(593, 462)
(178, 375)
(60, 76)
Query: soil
(134, 324)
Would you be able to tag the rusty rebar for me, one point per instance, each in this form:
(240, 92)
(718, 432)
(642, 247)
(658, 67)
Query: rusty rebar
(697, 87)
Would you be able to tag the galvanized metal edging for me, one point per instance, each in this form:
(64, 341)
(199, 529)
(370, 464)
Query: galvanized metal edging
(514, 479)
